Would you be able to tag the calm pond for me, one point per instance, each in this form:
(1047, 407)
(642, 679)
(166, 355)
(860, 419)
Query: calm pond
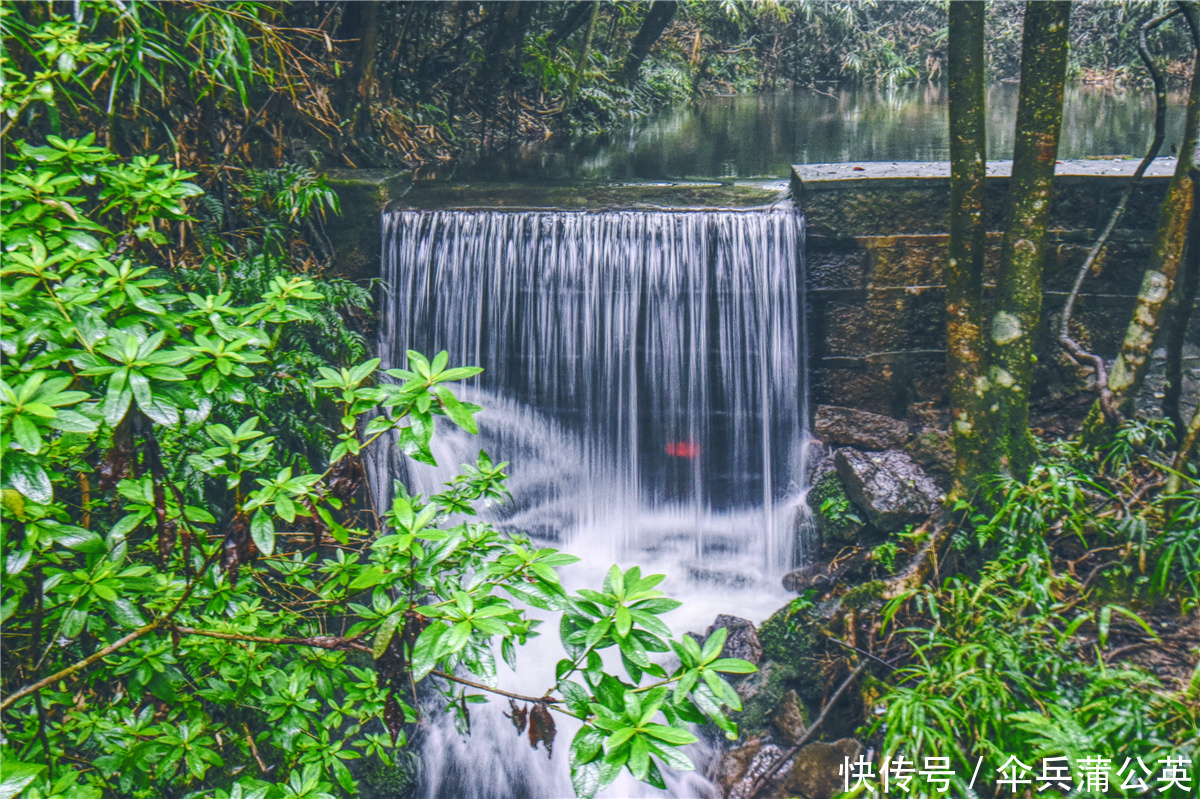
(760, 136)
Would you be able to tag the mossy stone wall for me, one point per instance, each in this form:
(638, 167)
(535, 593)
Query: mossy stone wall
(878, 242)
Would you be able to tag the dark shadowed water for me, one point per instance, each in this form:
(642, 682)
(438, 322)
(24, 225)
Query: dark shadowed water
(753, 136)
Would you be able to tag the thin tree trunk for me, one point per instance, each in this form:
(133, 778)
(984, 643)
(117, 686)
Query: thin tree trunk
(968, 239)
(361, 22)
(578, 14)
(657, 19)
(1187, 443)
(581, 59)
(1133, 361)
(1044, 50)
(1181, 317)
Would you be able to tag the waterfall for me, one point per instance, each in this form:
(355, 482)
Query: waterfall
(645, 377)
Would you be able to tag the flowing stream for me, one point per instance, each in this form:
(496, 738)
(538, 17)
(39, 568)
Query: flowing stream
(644, 376)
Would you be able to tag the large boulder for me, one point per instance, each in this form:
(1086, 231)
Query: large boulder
(814, 770)
(811, 773)
(741, 638)
(850, 427)
(889, 487)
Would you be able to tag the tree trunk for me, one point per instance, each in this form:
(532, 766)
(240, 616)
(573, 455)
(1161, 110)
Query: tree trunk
(968, 239)
(507, 39)
(1181, 317)
(1133, 361)
(578, 14)
(360, 22)
(581, 59)
(1044, 50)
(657, 19)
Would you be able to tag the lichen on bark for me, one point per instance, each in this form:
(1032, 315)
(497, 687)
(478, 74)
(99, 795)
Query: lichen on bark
(968, 240)
(1044, 51)
(1133, 360)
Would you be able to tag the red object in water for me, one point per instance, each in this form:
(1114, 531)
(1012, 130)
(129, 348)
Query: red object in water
(683, 449)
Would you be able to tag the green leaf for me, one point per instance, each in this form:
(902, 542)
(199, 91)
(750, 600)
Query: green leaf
(72, 623)
(367, 578)
(686, 683)
(384, 636)
(26, 433)
(76, 538)
(673, 757)
(424, 651)
(619, 737)
(732, 666)
(714, 645)
(585, 780)
(624, 620)
(457, 638)
(672, 735)
(262, 530)
(723, 690)
(456, 410)
(576, 697)
(126, 613)
(15, 776)
(639, 757)
(586, 746)
(118, 398)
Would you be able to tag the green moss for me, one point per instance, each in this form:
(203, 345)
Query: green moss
(786, 637)
(862, 595)
(833, 512)
(765, 690)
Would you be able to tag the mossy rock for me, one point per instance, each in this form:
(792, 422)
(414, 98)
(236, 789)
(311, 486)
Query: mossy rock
(761, 694)
(834, 513)
(789, 639)
(861, 596)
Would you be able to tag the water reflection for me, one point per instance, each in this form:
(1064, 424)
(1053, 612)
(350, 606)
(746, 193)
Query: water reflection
(752, 136)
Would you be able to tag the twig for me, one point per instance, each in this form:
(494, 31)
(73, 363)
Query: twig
(541, 700)
(863, 652)
(1096, 573)
(339, 643)
(100, 654)
(263, 767)
(816, 725)
(1076, 351)
(333, 642)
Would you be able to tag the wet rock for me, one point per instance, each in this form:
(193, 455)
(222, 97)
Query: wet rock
(834, 514)
(889, 487)
(932, 448)
(800, 580)
(811, 773)
(741, 638)
(740, 768)
(849, 427)
(790, 719)
(814, 770)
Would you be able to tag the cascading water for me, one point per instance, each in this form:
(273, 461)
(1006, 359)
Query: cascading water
(644, 375)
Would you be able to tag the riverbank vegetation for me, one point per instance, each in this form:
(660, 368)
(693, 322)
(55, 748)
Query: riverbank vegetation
(405, 84)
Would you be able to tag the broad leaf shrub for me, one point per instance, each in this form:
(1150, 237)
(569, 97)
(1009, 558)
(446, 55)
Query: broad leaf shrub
(188, 608)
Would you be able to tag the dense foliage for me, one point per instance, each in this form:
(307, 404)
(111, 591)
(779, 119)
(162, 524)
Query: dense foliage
(1065, 632)
(413, 83)
(199, 596)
